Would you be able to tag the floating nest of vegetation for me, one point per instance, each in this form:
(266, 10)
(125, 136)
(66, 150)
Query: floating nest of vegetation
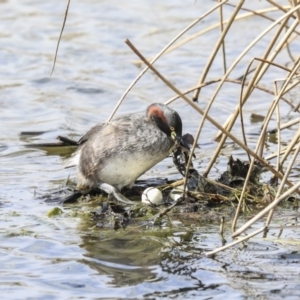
(204, 201)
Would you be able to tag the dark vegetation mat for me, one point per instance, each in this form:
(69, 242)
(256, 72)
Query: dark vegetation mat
(205, 200)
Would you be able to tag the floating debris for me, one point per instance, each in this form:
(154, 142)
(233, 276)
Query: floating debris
(54, 212)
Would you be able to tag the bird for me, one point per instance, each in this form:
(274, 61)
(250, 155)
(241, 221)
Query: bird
(112, 155)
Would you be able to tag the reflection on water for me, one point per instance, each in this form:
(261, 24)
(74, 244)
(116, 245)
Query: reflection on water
(155, 262)
(67, 257)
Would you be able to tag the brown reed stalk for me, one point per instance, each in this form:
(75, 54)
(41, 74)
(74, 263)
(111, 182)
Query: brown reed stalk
(275, 102)
(236, 82)
(60, 35)
(263, 131)
(278, 6)
(259, 72)
(250, 87)
(278, 154)
(288, 151)
(216, 49)
(278, 134)
(212, 253)
(267, 209)
(295, 3)
(216, 25)
(286, 174)
(282, 152)
(208, 117)
(160, 54)
(223, 42)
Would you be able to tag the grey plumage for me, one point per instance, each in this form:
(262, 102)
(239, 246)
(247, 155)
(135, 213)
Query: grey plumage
(120, 151)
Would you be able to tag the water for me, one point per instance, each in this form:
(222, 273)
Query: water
(65, 257)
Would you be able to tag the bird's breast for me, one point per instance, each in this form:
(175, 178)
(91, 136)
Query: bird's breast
(124, 169)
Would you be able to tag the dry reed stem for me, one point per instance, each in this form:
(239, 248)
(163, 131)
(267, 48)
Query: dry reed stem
(259, 12)
(258, 73)
(260, 144)
(215, 26)
(60, 35)
(262, 67)
(255, 86)
(279, 135)
(233, 190)
(216, 49)
(270, 63)
(241, 104)
(242, 196)
(292, 85)
(208, 117)
(160, 54)
(282, 91)
(261, 138)
(289, 149)
(287, 45)
(223, 42)
(258, 149)
(231, 123)
(266, 209)
(278, 6)
(286, 125)
(282, 152)
(277, 49)
(286, 174)
(289, 52)
(212, 253)
(253, 220)
(236, 82)
(294, 2)
(278, 155)
(216, 153)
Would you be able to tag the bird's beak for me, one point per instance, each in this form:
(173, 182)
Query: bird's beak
(185, 142)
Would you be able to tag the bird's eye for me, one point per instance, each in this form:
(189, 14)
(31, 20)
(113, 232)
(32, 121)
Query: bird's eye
(173, 133)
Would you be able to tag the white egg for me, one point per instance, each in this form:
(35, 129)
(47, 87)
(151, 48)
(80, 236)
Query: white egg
(152, 195)
(176, 193)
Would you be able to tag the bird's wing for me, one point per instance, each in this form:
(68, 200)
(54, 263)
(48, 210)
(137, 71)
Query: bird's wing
(96, 129)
